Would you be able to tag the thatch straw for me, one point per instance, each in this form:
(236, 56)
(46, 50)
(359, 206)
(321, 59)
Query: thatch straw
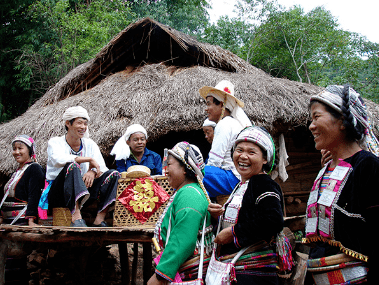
(161, 97)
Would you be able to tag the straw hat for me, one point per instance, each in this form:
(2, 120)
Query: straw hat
(224, 88)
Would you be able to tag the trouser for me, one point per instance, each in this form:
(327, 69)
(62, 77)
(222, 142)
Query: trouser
(69, 187)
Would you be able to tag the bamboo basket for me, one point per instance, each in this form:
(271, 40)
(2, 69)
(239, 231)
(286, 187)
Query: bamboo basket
(61, 217)
(123, 218)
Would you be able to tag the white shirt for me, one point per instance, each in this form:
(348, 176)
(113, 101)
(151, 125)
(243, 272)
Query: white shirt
(225, 133)
(59, 153)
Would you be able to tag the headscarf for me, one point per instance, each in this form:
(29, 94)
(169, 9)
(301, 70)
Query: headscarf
(121, 149)
(191, 156)
(209, 123)
(76, 112)
(332, 97)
(224, 92)
(260, 137)
(27, 141)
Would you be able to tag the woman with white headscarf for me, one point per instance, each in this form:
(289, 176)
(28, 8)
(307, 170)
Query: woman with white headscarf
(131, 150)
(225, 110)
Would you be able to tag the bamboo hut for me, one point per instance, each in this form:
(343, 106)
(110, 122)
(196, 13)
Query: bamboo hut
(150, 74)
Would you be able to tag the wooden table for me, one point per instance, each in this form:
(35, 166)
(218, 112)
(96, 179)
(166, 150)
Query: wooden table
(17, 240)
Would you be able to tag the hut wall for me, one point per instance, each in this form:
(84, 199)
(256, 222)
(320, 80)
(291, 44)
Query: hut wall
(304, 165)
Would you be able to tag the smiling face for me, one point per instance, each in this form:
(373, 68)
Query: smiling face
(78, 127)
(137, 143)
(248, 159)
(21, 153)
(176, 174)
(209, 133)
(326, 129)
(214, 111)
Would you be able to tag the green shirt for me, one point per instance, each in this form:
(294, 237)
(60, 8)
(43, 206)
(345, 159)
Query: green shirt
(187, 217)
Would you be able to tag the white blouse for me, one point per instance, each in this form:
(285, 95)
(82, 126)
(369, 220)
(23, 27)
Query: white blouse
(225, 133)
(59, 153)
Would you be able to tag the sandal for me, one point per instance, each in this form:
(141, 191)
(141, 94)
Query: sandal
(78, 223)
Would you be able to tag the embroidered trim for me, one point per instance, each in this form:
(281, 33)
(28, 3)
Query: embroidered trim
(110, 177)
(266, 194)
(338, 244)
(351, 215)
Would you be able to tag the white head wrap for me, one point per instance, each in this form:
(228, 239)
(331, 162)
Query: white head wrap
(121, 149)
(224, 92)
(209, 123)
(76, 112)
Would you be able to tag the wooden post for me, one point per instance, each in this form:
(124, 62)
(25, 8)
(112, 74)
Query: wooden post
(124, 262)
(147, 261)
(135, 264)
(3, 258)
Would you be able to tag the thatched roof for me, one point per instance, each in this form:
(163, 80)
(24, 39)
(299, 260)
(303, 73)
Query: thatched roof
(150, 74)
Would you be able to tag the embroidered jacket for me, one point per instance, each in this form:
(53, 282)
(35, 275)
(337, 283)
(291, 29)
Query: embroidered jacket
(260, 216)
(355, 212)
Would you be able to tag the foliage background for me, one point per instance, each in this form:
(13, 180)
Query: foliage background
(42, 40)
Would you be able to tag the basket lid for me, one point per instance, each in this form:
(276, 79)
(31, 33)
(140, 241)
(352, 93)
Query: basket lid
(137, 171)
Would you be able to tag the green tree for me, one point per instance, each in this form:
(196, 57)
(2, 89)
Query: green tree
(47, 39)
(188, 16)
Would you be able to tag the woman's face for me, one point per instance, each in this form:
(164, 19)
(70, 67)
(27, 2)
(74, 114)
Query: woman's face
(209, 133)
(176, 174)
(326, 129)
(214, 111)
(21, 153)
(248, 159)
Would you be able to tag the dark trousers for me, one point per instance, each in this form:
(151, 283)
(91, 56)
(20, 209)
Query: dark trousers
(68, 187)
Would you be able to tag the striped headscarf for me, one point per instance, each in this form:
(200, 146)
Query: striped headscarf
(260, 137)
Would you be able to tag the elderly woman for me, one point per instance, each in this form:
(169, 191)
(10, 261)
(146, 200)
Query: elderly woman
(131, 149)
(225, 110)
(23, 190)
(343, 206)
(253, 213)
(177, 230)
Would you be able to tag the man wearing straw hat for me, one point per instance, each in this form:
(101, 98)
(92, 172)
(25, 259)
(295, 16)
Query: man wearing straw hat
(76, 170)
(225, 110)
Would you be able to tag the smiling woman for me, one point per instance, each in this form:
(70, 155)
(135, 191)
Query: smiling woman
(253, 213)
(23, 190)
(343, 206)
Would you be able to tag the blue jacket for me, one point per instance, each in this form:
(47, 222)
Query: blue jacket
(149, 159)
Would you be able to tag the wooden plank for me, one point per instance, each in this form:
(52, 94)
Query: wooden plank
(65, 237)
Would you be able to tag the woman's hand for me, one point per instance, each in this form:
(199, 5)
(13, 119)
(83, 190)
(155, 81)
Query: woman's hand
(326, 155)
(154, 281)
(225, 236)
(215, 210)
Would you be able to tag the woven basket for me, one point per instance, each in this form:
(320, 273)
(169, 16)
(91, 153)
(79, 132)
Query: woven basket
(61, 217)
(123, 218)
(221, 199)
